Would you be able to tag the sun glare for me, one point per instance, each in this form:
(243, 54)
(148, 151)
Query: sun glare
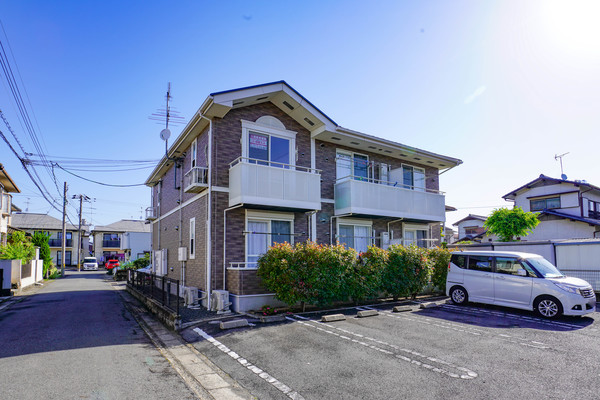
(573, 25)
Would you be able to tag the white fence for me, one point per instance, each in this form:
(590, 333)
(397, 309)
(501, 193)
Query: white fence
(21, 275)
(575, 257)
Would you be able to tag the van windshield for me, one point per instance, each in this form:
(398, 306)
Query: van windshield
(544, 267)
(89, 260)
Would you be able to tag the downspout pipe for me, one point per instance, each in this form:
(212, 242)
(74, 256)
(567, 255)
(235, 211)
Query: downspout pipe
(225, 241)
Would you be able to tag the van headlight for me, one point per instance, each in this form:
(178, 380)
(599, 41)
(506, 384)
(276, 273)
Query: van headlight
(567, 288)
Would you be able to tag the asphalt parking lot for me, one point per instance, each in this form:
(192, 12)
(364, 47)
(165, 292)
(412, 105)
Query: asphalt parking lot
(444, 352)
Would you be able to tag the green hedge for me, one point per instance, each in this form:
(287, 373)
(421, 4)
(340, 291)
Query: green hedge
(309, 273)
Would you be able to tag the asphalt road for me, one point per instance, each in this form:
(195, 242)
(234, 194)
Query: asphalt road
(446, 352)
(74, 339)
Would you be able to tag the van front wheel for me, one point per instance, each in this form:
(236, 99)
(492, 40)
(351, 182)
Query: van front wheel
(459, 295)
(548, 307)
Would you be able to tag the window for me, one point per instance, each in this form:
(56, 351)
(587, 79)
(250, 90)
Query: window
(459, 261)
(350, 164)
(543, 204)
(413, 177)
(194, 153)
(355, 236)
(473, 230)
(267, 145)
(192, 238)
(264, 230)
(480, 263)
(59, 258)
(593, 209)
(416, 236)
(508, 266)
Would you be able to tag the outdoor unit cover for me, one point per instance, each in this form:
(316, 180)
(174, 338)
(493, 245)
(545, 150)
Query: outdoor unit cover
(182, 254)
(190, 295)
(220, 301)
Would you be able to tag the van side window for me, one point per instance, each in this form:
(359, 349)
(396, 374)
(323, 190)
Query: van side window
(459, 261)
(480, 263)
(509, 266)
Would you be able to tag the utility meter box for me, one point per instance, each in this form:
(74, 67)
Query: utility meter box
(182, 254)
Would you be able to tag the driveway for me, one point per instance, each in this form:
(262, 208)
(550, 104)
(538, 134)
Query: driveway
(445, 352)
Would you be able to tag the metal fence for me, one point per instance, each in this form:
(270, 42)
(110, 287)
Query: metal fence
(162, 289)
(589, 275)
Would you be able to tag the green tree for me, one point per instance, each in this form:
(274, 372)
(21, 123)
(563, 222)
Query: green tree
(40, 240)
(18, 247)
(509, 223)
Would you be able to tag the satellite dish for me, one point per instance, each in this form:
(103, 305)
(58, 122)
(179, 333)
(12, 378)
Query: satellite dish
(563, 177)
(165, 134)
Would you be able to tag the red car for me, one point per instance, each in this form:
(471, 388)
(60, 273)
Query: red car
(110, 264)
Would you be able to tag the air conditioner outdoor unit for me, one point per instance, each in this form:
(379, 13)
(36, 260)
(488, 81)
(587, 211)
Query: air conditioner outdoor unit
(190, 296)
(219, 301)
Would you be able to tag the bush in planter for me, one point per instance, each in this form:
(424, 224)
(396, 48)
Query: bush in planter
(439, 258)
(407, 271)
(364, 280)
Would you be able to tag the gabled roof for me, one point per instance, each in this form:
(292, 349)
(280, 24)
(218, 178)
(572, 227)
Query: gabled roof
(590, 221)
(290, 101)
(6, 181)
(125, 225)
(471, 217)
(38, 222)
(547, 180)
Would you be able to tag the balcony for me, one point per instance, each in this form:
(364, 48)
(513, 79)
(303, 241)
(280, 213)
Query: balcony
(111, 243)
(195, 180)
(274, 184)
(151, 214)
(378, 198)
(58, 243)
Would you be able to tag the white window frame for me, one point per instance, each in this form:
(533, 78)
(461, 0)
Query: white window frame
(192, 240)
(424, 189)
(248, 127)
(415, 228)
(355, 222)
(352, 164)
(264, 216)
(194, 154)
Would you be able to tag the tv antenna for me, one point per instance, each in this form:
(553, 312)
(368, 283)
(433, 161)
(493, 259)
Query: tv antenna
(560, 157)
(167, 115)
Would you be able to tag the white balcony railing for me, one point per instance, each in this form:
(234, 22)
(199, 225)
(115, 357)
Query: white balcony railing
(195, 180)
(274, 184)
(371, 197)
(151, 213)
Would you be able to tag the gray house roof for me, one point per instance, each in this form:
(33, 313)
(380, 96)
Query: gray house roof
(39, 222)
(125, 225)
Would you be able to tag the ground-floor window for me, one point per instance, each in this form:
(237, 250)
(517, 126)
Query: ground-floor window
(355, 235)
(67, 258)
(417, 236)
(264, 230)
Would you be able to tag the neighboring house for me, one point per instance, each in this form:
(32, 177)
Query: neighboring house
(449, 235)
(260, 165)
(31, 223)
(567, 209)
(125, 240)
(471, 228)
(7, 186)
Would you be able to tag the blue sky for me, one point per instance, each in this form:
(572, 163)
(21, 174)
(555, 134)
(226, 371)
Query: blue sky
(504, 86)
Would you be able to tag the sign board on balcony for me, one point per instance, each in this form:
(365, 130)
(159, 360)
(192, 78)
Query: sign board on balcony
(258, 142)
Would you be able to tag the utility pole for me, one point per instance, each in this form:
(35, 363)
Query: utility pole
(64, 233)
(81, 198)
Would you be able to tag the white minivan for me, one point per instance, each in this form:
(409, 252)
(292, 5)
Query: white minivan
(518, 280)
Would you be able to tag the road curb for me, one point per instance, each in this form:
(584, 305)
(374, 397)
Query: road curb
(204, 378)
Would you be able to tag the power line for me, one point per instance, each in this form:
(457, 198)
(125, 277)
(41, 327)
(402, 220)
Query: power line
(100, 183)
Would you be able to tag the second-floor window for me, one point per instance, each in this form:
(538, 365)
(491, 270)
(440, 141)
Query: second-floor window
(543, 204)
(268, 145)
(348, 164)
(413, 177)
(194, 153)
(593, 209)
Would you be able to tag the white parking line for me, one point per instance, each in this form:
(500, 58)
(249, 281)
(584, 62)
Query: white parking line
(465, 373)
(261, 373)
(526, 318)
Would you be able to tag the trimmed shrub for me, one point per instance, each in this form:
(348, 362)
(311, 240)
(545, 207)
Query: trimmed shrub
(364, 280)
(40, 239)
(407, 271)
(19, 247)
(438, 260)
(279, 275)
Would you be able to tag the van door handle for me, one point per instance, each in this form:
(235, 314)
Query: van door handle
(500, 277)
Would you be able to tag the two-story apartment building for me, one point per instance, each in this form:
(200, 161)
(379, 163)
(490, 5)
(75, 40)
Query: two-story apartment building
(32, 222)
(125, 240)
(7, 186)
(567, 209)
(260, 165)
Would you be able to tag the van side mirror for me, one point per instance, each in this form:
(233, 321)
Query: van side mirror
(521, 272)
